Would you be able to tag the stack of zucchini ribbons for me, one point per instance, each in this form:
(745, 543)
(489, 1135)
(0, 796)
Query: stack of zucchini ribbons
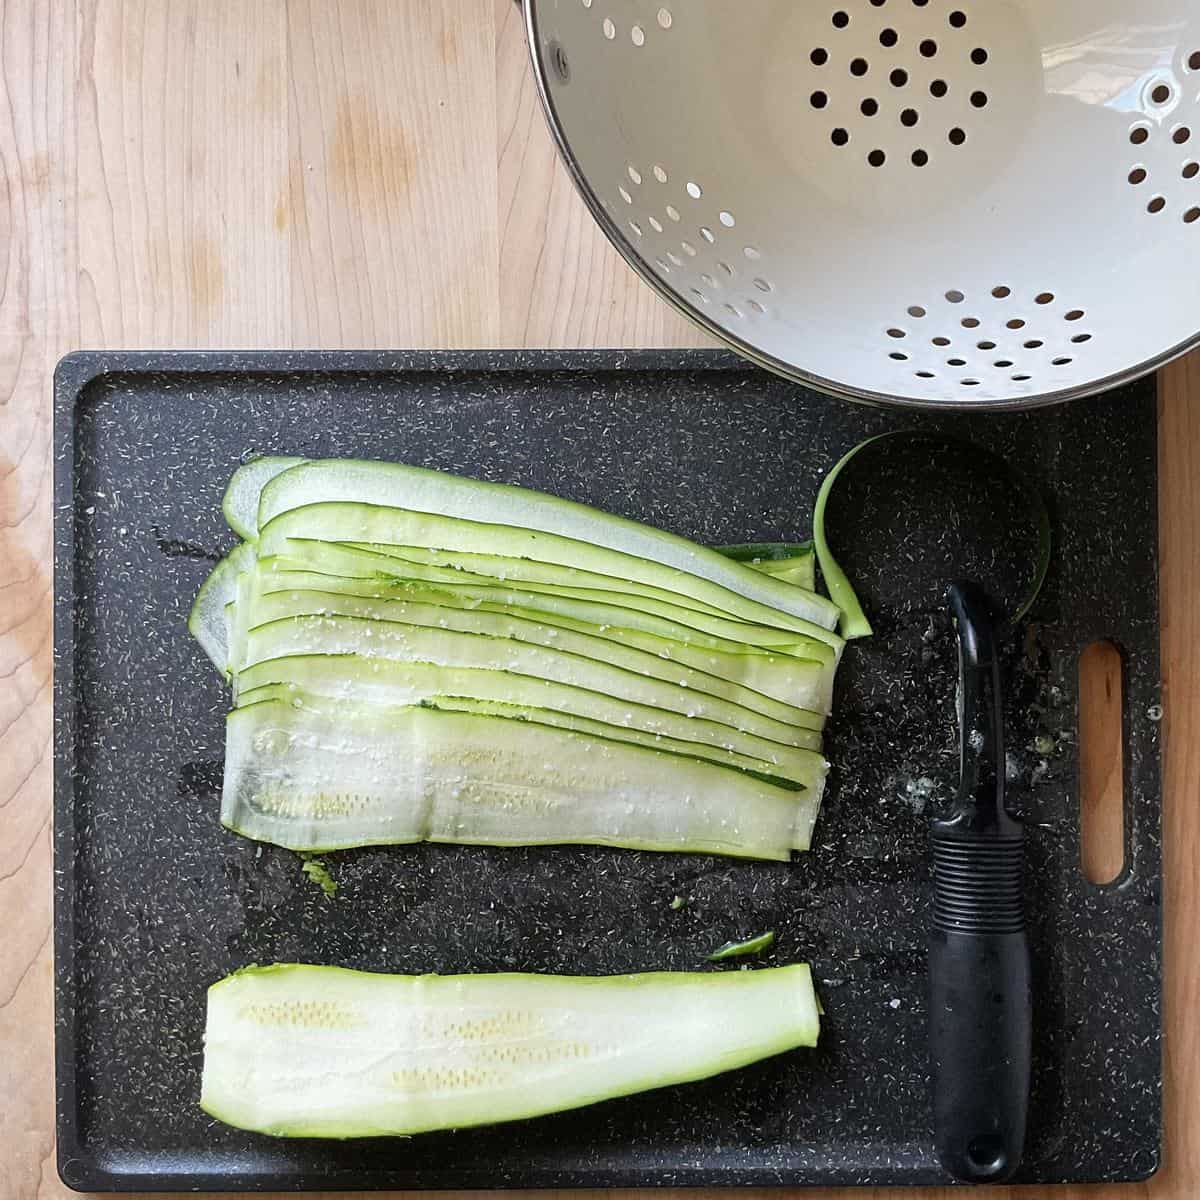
(416, 656)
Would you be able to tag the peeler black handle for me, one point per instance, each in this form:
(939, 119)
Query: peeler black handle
(979, 985)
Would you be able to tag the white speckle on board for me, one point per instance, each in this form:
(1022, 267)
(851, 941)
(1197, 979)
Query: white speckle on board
(916, 793)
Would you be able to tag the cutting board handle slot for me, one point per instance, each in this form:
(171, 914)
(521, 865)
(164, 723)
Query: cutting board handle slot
(1102, 736)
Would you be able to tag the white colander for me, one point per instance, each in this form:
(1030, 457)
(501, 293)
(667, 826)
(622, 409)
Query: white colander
(932, 202)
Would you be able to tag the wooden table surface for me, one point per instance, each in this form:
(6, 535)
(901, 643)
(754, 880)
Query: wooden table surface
(349, 173)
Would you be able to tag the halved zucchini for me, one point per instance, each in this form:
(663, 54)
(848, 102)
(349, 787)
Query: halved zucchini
(304, 1051)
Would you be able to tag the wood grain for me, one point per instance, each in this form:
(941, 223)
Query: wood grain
(342, 173)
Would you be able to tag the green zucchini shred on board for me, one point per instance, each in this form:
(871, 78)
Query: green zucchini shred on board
(317, 871)
(294, 1050)
(417, 656)
(754, 945)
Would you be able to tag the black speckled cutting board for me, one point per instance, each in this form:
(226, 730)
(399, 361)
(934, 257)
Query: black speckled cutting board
(154, 901)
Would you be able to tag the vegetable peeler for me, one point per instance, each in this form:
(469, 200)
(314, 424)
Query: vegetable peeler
(979, 971)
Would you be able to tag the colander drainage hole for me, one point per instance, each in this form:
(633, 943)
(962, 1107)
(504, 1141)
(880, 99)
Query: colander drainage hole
(1157, 204)
(916, 311)
(928, 48)
(898, 356)
(1194, 60)
(920, 158)
(819, 57)
(957, 136)
(1191, 216)
(898, 77)
(888, 38)
(1001, 293)
(1021, 378)
(1181, 135)
(956, 362)
(859, 67)
(839, 137)
(958, 19)
(1191, 170)
(877, 158)
(1160, 94)
(979, 56)
(841, 20)
(940, 341)
(938, 88)
(1139, 135)
(955, 296)
(869, 107)
(925, 375)
(1137, 175)
(1060, 362)
(818, 99)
